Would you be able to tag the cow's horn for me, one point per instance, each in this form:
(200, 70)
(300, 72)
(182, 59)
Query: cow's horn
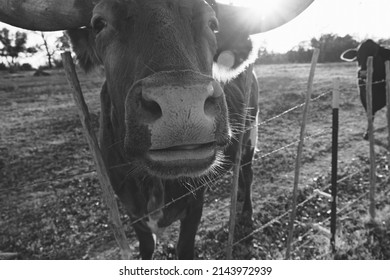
(46, 15)
(252, 22)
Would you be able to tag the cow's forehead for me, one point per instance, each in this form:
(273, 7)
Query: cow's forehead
(368, 48)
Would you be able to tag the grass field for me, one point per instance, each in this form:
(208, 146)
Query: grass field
(50, 205)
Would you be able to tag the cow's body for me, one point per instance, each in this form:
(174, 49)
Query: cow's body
(169, 119)
(380, 54)
(142, 194)
(145, 184)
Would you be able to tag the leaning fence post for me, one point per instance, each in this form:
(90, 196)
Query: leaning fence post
(236, 168)
(300, 149)
(335, 131)
(387, 64)
(108, 193)
(371, 137)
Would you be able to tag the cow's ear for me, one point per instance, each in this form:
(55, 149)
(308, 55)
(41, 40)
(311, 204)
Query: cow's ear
(83, 44)
(349, 55)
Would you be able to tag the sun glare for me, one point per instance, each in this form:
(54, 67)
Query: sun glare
(263, 8)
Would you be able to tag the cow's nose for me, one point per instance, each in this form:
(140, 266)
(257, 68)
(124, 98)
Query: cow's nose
(181, 114)
(197, 101)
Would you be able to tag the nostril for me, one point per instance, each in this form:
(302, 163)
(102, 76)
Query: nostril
(210, 106)
(151, 110)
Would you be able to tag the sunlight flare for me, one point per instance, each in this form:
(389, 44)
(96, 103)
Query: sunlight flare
(263, 8)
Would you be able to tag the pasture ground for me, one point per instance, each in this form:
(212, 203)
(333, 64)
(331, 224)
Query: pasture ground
(50, 204)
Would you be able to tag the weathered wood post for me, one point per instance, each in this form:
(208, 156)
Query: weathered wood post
(107, 190)
(236, 168)
(371, 137)
(300, 149)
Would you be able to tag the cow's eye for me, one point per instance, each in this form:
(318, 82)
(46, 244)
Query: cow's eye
(213, 24)
(98, 24)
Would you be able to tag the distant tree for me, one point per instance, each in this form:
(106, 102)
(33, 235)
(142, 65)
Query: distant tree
(48, 50)
(332, 46)
(384, 42)
(61, 44)
(12, 46)
(266, 57)
(300, 54)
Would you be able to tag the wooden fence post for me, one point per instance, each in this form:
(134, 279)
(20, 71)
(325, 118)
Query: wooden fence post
(107, 190)
(236, 168)
(371, 137)
(335, 131)
(300, 149)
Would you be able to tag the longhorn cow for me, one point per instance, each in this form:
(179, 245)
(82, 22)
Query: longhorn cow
(380, 54)
(166, 115)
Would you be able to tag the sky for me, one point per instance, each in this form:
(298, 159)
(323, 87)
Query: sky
(360, 18)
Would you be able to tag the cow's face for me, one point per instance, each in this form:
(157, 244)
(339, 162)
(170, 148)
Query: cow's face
(366, 49)
(158, 56)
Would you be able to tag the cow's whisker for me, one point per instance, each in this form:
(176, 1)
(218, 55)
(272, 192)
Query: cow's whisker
(116, 143)
(120, 165)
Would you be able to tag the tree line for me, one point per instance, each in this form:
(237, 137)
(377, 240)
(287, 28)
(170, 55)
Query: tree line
(13, 47)
(331, 46)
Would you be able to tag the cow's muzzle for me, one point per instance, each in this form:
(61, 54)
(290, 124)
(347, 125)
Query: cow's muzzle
(186, 115)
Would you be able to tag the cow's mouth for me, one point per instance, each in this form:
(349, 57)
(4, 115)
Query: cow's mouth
(185, 160)
(194, 152)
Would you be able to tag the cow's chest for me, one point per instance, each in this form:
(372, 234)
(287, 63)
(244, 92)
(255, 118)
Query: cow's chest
(158, 223)
(167, 203)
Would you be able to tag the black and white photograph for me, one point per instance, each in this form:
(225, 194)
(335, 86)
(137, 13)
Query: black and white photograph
(195, 130)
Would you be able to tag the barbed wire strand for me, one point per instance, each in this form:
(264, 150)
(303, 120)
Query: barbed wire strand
(290, 110)
(373, 83)
(62, 179)
(321, 133)
(278, 218)
(203, 185)
(36, 183)
(187, 194)
(338, 211)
